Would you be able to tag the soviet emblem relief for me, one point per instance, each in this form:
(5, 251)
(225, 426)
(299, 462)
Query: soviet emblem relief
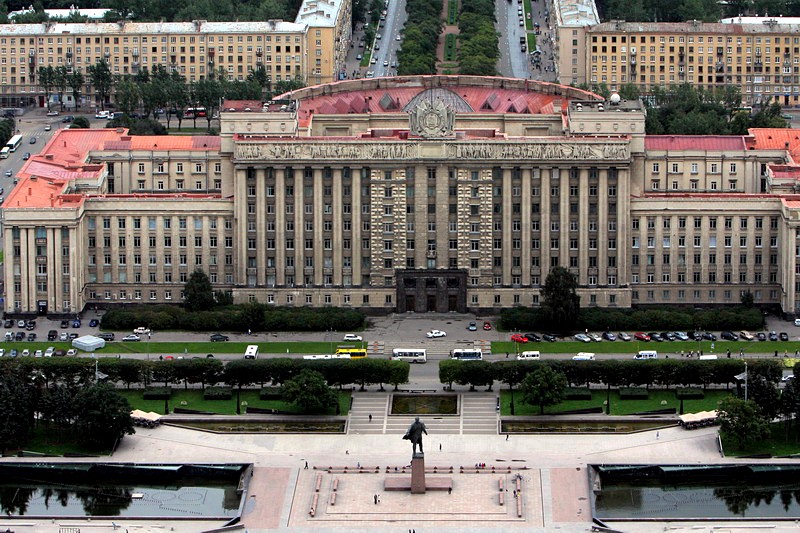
(432, 120)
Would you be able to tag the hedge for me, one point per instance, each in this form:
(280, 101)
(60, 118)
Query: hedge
(578, 393)
(633, 394)
(270, 393)
(217, 393)
(690, 394)
(157, 393)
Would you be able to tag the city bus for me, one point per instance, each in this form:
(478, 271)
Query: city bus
(14, 142)
(467, 354)
(326, 357)
(4, 152)
(194, 112)
(412, 355)
(352, 351)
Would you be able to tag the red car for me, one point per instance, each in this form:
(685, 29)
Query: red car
(516, 337)
(487, 326)
(641, 336)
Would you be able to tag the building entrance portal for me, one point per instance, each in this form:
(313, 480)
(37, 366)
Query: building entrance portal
(432, 291)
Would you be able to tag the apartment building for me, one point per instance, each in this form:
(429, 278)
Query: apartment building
(759, 55)
(435, 193)
(311, 48)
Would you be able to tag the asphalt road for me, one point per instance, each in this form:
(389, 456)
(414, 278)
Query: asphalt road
(390, 40)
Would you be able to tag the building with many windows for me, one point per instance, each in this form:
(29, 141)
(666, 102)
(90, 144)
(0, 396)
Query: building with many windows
(759, 55)
(312, 48)
(403, 194)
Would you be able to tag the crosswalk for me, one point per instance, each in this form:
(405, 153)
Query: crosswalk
(369, 415)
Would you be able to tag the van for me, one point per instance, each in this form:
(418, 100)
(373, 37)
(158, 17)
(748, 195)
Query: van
(583, 356)
(528, 356)
(708, 357)
(646, 354)
(251, 352)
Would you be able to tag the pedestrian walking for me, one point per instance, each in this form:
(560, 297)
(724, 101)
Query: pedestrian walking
(370, 417)
(506, 436)
(347, 452)
(440, 446)
(658, 435)
(375, 498)
(449, 490)
(306, 468)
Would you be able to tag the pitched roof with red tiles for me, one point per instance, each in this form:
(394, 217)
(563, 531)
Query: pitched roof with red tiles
(777, 139)
(710, 143)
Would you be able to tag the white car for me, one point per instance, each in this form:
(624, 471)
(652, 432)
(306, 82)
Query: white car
(48, 127)
(746, 335)
(102, 114)
(434, 333)
(141, 330)
(49, 351)
(72, 352)
(38, 353)
(26, 352)
(2, 352)
(63, 337)
(681, 336)
(21, 324)
(352, 337)
(582, 338)
(797, 321)
(595, 337)
(52, 113)
(131, 338)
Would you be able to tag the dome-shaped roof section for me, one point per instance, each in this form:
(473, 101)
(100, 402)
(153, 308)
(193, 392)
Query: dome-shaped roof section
(446, 96)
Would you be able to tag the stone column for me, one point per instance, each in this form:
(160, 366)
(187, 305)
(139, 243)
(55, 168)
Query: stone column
(418, 473)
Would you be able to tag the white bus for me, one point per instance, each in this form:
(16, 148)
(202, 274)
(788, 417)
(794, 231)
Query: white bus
(646, 354)
(528, 356)
(467, 354)
(326, 357)
(251, 352)
(4, 152)
(14, 142)
(412, 355)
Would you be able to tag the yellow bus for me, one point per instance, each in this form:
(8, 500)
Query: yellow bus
(353, 352)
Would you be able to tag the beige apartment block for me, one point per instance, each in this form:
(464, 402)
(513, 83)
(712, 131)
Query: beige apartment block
(438, 193)
(759, 55)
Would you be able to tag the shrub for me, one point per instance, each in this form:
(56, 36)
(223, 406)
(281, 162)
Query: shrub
(633, 394)
(578, 393)
(157, 393)
(690, 394)
(270, 393)
(217, 393)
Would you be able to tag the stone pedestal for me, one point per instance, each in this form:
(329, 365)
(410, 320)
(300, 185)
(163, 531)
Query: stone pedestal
(418, 473)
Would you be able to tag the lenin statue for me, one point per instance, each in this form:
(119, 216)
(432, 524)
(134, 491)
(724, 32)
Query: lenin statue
(414, 434)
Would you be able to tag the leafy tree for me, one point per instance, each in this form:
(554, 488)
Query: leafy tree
(208, 94)
(741, 423)
(252, 316)
(560, 302)
(47, 81)
(198, 293)
(16, 409)
(544, 386)
(747, 299)
(75, 82)
(102, 79)
(101, 416)
(60, 83)
(127, 95)
(309, 391)
(764, 394)
(629, 91)
(80, 122)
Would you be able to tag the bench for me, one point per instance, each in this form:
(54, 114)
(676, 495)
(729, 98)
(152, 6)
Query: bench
(502, 496)
(319, 483)
(333, 498)
(519, 505)
(519, 484)
(335, 484)
(420, 391)
(501, 483)
(314, 501)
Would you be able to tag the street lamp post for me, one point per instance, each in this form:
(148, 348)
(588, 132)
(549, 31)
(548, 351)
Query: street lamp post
(745, 381)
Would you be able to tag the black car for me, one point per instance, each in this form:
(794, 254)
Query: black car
(30, 325)
(607, 335)
(8, 323)
(533, 337)
(761, 336)
(783, 336)
(668, 336)
(52, 335)
(93, 323)
(218, 337)
(33, 140)
(64, 324)
(68, 118)
(73, 336)
(107, 336)
(655, 337)
(696, 336)
(709, 337)
(31, 337)
(549, 337)
(20, 336)
(26, 156)
(728, 336)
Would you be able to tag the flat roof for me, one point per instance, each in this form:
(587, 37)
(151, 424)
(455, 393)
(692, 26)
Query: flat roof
(319, 13)
(149, 28)
(576, 13)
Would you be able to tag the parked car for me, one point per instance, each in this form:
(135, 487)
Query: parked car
(472, 326)
(30, 325)
(516, 337)
(746, 335)
(668, 336)
(72, 336)
(59, 353)
(52, 113)
(2, 352)
(595, 337)
(624, 336)
(107, 336)
(21, 323)
(50, 351)
(218, 337)
(487, 326)
(141, 330)
(783, 336)
(8, 323)
(533, 337)
(728, 336)
(639, 336)
(76, 323)
(607, 335)
(64, 324)
(681, 336)
(93, 323)
(352, 337)
(72, 352)
(655, 336)
(709, 336)
(549, 337)
(64, 336)
(52, 335)
(20, 336)
(131, 338)
(761, 336)
(773, 335)
(435, 333)
(38, 353)
(580, 337)
(25, 353)
(12, 353)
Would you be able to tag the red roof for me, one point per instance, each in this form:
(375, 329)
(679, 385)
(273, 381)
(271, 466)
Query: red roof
(777, 139)
(711, 143)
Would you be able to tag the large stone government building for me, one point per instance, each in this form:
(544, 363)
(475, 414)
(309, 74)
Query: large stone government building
(435, 193)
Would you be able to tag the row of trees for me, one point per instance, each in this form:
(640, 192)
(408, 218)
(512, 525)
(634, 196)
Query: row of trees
(420, 38)
(611, 372)
(7, 127)
(94, 415)
(478, 50)
(682, 10)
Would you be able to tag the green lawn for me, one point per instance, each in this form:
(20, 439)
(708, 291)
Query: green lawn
(450, 47)
(51, 444)
(187, 347)
(193, 399)
(365, 58)
(779, 444)
(658, 399)
(528, 11)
